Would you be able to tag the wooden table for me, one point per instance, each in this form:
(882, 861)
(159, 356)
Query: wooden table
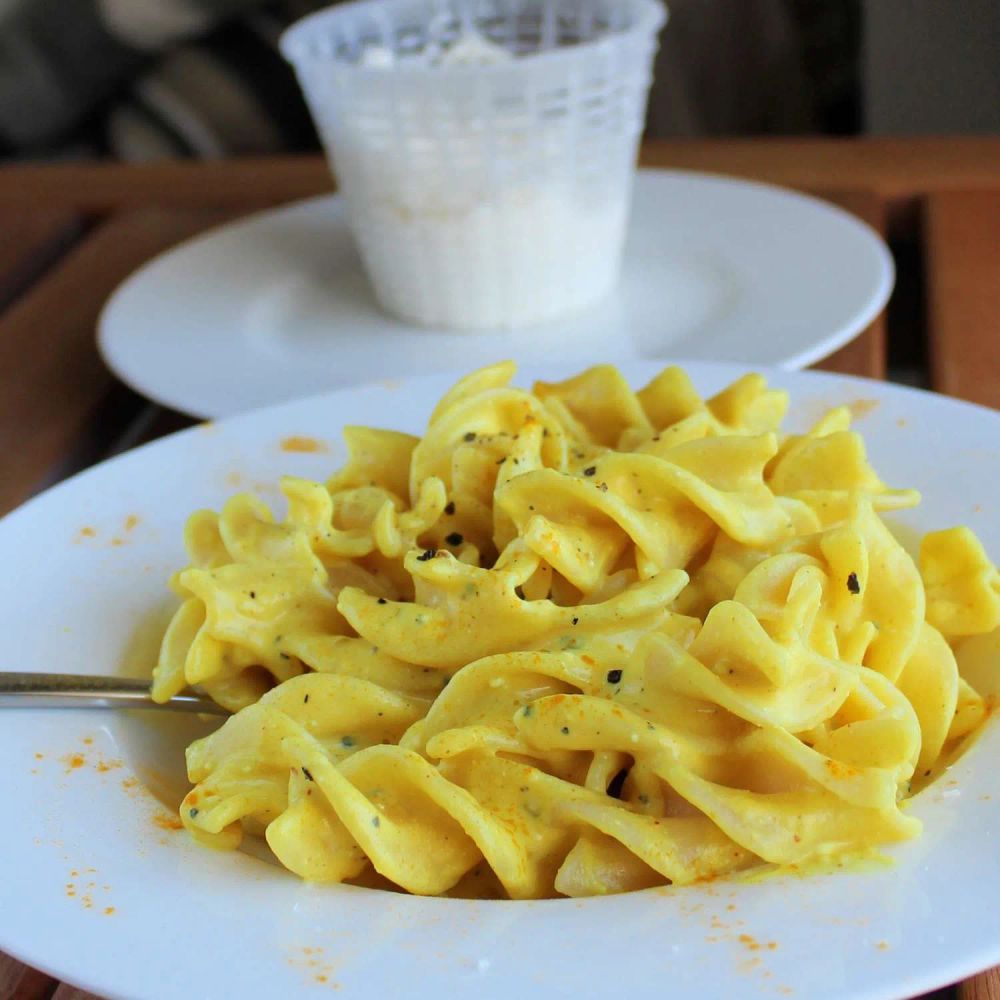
(70, 233)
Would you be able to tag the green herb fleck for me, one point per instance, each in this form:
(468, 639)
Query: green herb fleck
(376, 821)
(192, 813)
(347, 741)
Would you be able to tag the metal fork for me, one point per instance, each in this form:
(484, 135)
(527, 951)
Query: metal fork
(27, 690)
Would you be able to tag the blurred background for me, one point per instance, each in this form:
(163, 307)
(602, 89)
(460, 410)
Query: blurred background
(146, 80)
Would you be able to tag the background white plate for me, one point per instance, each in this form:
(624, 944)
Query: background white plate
(276, 306)
(82, 578)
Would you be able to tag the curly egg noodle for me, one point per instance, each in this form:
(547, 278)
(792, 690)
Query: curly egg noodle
(574, 641)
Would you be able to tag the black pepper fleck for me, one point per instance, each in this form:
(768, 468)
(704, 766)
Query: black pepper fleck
(305, 700)
(614, 676)
(192, 813)
(852, 583)
(470, 435)
(427, 555)
(308, 774)
(565, 730)
(381, 600)
(253, 595)
(376, 821)
(455, 538)
(450, 508)
(576, 621)
(590, 470)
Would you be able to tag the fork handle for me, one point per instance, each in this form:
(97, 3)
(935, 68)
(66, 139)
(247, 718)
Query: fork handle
(27, 690)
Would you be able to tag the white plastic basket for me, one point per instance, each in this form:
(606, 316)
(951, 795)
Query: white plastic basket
(482, 196)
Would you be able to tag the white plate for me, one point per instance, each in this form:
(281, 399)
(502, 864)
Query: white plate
(77, 841)
(277, 306)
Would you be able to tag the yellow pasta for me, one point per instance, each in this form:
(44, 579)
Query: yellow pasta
(575, 641)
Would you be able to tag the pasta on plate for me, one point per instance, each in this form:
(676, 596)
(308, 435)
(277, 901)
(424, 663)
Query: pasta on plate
(574, 641)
